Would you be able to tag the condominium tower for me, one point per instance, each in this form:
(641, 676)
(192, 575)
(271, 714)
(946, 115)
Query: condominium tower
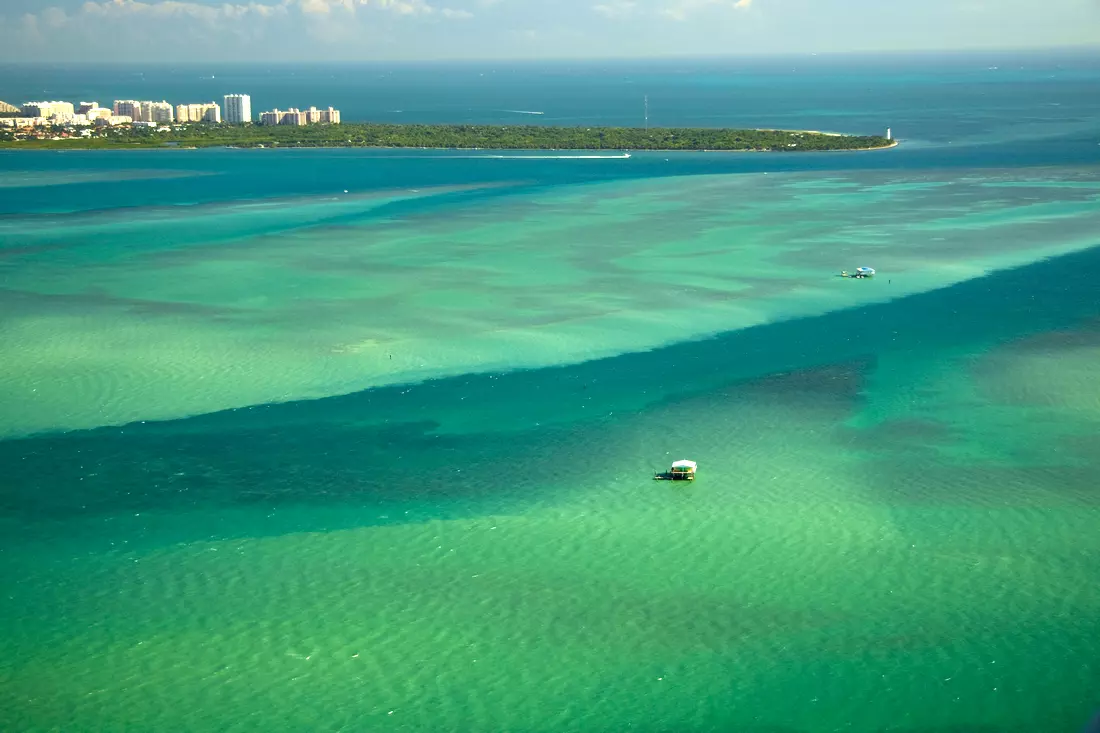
(127, 107)
(209, 112)
(238, 108)
(159, 112)
(295, 116)
(49, 110)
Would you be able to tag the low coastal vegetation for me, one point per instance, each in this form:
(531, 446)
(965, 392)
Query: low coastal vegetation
(493, 137)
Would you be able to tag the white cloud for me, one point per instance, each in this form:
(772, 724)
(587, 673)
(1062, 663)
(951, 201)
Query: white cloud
(615, 8)
(324, 7)
(172, 16)
(169, 9)
(230, 30)
(53, 17)
(401, 7)
(29, 26)
(168, 28)
(675, 9)
(681, 9)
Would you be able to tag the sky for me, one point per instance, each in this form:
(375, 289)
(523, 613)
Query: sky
(339, 30)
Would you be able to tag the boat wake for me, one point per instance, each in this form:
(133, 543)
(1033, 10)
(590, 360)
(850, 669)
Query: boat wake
(521, 112)
(622, 156)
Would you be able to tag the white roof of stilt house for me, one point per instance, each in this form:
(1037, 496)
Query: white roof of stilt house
(685, 464)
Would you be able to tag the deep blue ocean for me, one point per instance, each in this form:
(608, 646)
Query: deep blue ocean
(955, 111)
(945, 98)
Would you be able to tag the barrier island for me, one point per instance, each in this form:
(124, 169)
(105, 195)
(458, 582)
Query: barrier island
(452, 137)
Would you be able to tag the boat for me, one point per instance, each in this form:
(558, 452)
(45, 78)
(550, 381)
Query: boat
(680, 471)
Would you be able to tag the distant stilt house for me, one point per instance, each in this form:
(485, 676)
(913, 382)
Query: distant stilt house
(680, 471)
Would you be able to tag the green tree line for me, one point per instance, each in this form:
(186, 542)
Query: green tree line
(493, 137)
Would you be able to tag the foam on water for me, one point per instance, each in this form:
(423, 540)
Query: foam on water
(621, 156)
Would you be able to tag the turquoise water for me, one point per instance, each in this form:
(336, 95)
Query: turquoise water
(361, 440)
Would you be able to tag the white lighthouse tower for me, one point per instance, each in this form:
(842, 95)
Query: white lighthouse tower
(889, 134)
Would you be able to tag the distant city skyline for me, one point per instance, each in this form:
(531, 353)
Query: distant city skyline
(407, 30)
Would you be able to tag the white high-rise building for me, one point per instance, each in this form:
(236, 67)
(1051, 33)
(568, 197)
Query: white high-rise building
(127, 108)
(208, 112)
(238, 108)
(49, 110)
(295, 116)
(160, 112)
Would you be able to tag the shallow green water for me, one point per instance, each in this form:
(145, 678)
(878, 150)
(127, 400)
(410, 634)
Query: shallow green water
(174, 311)
(923, 570)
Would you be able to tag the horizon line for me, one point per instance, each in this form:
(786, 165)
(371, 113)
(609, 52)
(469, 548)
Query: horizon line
(785, 55)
